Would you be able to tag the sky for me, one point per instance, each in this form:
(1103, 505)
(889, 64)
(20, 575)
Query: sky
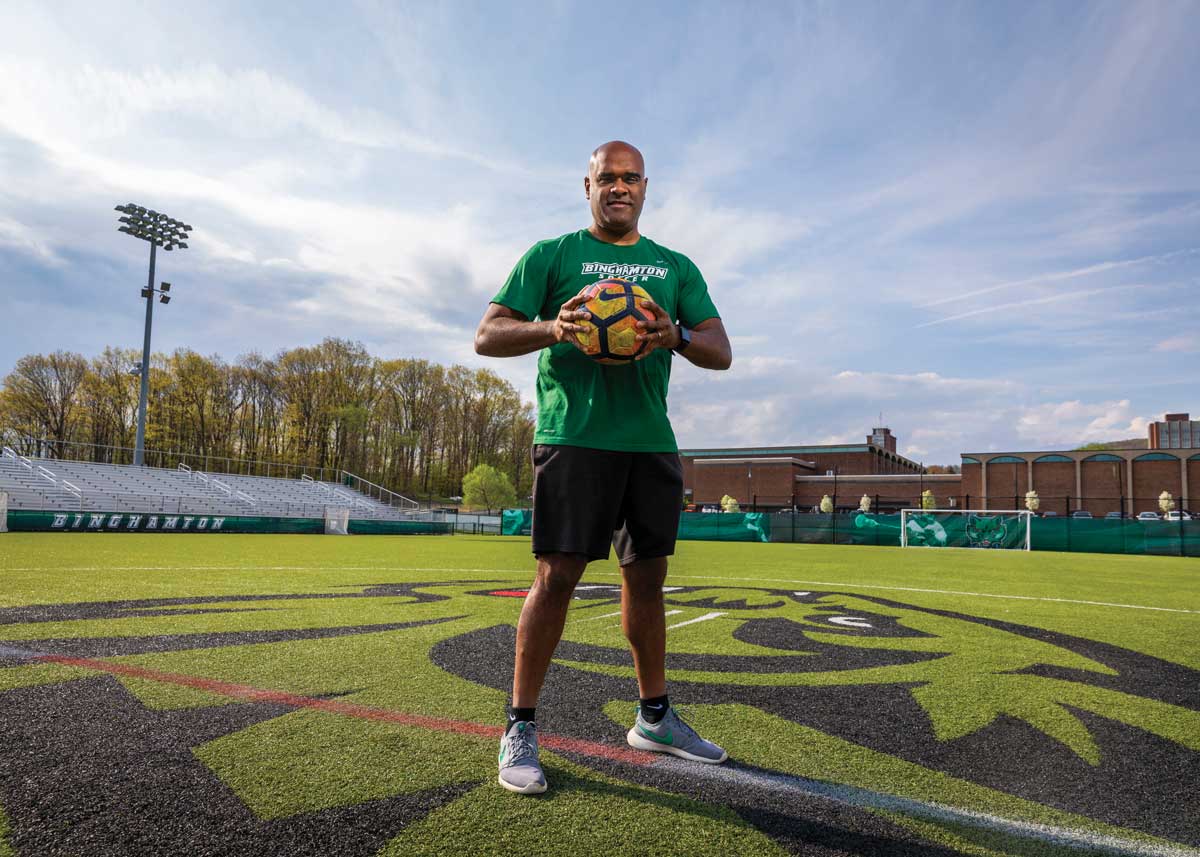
(978, 222)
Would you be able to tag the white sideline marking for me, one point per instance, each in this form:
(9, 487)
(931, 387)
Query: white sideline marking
(703, 618)
(844, 585)
(854, 796)
(525, 573)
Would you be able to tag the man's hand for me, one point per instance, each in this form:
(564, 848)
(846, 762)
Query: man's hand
(504, 332)
(565, 327)
(658, 332)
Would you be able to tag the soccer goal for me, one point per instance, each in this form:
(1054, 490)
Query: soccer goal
(337, 520)
(966, 528)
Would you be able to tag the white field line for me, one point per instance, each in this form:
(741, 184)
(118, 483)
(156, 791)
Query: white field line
(846, 585)
(526, 573)
(668, 613)
(611, 615)
(853, 796)
(703, 618)
(593, 618)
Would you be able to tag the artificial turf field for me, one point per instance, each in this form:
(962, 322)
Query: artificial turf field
(209, 694)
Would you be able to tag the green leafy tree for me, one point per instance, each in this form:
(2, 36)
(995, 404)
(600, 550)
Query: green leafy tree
(487, 487)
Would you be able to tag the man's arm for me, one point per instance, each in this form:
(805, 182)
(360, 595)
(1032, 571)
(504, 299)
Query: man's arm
(504, 332)
(709, 348)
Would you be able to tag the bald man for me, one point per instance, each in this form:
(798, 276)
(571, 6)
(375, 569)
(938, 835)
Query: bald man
(606, 466)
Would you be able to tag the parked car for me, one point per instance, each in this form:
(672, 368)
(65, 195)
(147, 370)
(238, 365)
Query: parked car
(1176, 515)
(1148, 516)
(1081, 513)
(1115, 515)
(1049, 514)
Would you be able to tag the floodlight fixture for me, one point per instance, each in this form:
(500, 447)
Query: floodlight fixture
(164, 286)
(158, 230)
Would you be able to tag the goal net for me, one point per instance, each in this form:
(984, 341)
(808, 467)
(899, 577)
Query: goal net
(337, 520)
(965, 528)
(3, 512)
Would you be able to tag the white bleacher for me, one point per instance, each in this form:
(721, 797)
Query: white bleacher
(33, 483)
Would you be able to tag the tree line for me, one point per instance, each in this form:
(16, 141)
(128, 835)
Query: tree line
(410, 425)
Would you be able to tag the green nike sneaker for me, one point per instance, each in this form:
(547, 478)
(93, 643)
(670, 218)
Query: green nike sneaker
(520, 771)
(672, 735)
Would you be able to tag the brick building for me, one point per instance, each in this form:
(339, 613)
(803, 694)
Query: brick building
(798, 476)
(1098, 481)
(1176, 431)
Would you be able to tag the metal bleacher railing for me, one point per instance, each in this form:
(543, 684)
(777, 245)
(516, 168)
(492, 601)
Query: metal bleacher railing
(58, 483)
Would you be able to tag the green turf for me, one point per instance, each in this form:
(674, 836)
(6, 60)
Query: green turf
(5, 848)
(306, 761)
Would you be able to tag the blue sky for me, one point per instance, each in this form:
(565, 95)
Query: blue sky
(981, 220)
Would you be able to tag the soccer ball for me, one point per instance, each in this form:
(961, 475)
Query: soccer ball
(611, 335)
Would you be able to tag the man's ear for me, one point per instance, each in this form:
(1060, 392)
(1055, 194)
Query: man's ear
(587, 187)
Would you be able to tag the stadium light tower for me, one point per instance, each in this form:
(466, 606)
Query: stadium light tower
(158, 230)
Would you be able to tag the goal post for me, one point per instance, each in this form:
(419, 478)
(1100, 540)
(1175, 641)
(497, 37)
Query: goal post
(967, 528)
(3, 512)
(337, 520)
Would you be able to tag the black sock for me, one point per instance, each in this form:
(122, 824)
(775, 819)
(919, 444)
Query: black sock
(515, 714)
(654, 710)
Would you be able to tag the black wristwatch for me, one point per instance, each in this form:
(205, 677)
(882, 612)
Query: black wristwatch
(685, 338)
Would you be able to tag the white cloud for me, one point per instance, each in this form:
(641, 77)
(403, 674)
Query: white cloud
(722, 240)
(1188, 343)
(885, 385)
(23, 239)
(1070, 423)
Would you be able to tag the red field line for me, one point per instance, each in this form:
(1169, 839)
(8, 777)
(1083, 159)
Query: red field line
(350, 709)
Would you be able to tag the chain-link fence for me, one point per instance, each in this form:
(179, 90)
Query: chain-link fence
(1177, 536)
(1048, 506)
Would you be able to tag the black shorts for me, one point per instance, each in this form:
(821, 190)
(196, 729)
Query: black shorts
(587, 499)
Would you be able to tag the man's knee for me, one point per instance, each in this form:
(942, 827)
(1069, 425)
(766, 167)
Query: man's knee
(558, 573)
(644, 579)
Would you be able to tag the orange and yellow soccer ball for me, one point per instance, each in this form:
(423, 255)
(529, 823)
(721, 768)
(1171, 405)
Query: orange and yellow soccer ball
(616, 308)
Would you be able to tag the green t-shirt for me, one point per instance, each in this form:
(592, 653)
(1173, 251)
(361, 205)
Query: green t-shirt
(582, 402)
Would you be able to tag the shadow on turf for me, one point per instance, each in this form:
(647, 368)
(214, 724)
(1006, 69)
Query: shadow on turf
(823, 829)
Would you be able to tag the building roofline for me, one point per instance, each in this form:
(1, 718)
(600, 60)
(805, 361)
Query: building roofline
(796, 450)
(1084, 453)
(779, 460)
(884, 477)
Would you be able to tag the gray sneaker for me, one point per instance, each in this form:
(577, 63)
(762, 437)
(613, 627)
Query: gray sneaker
(672, 735)
(520, 771)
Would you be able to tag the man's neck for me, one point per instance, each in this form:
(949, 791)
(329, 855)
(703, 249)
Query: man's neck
(609, 237)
